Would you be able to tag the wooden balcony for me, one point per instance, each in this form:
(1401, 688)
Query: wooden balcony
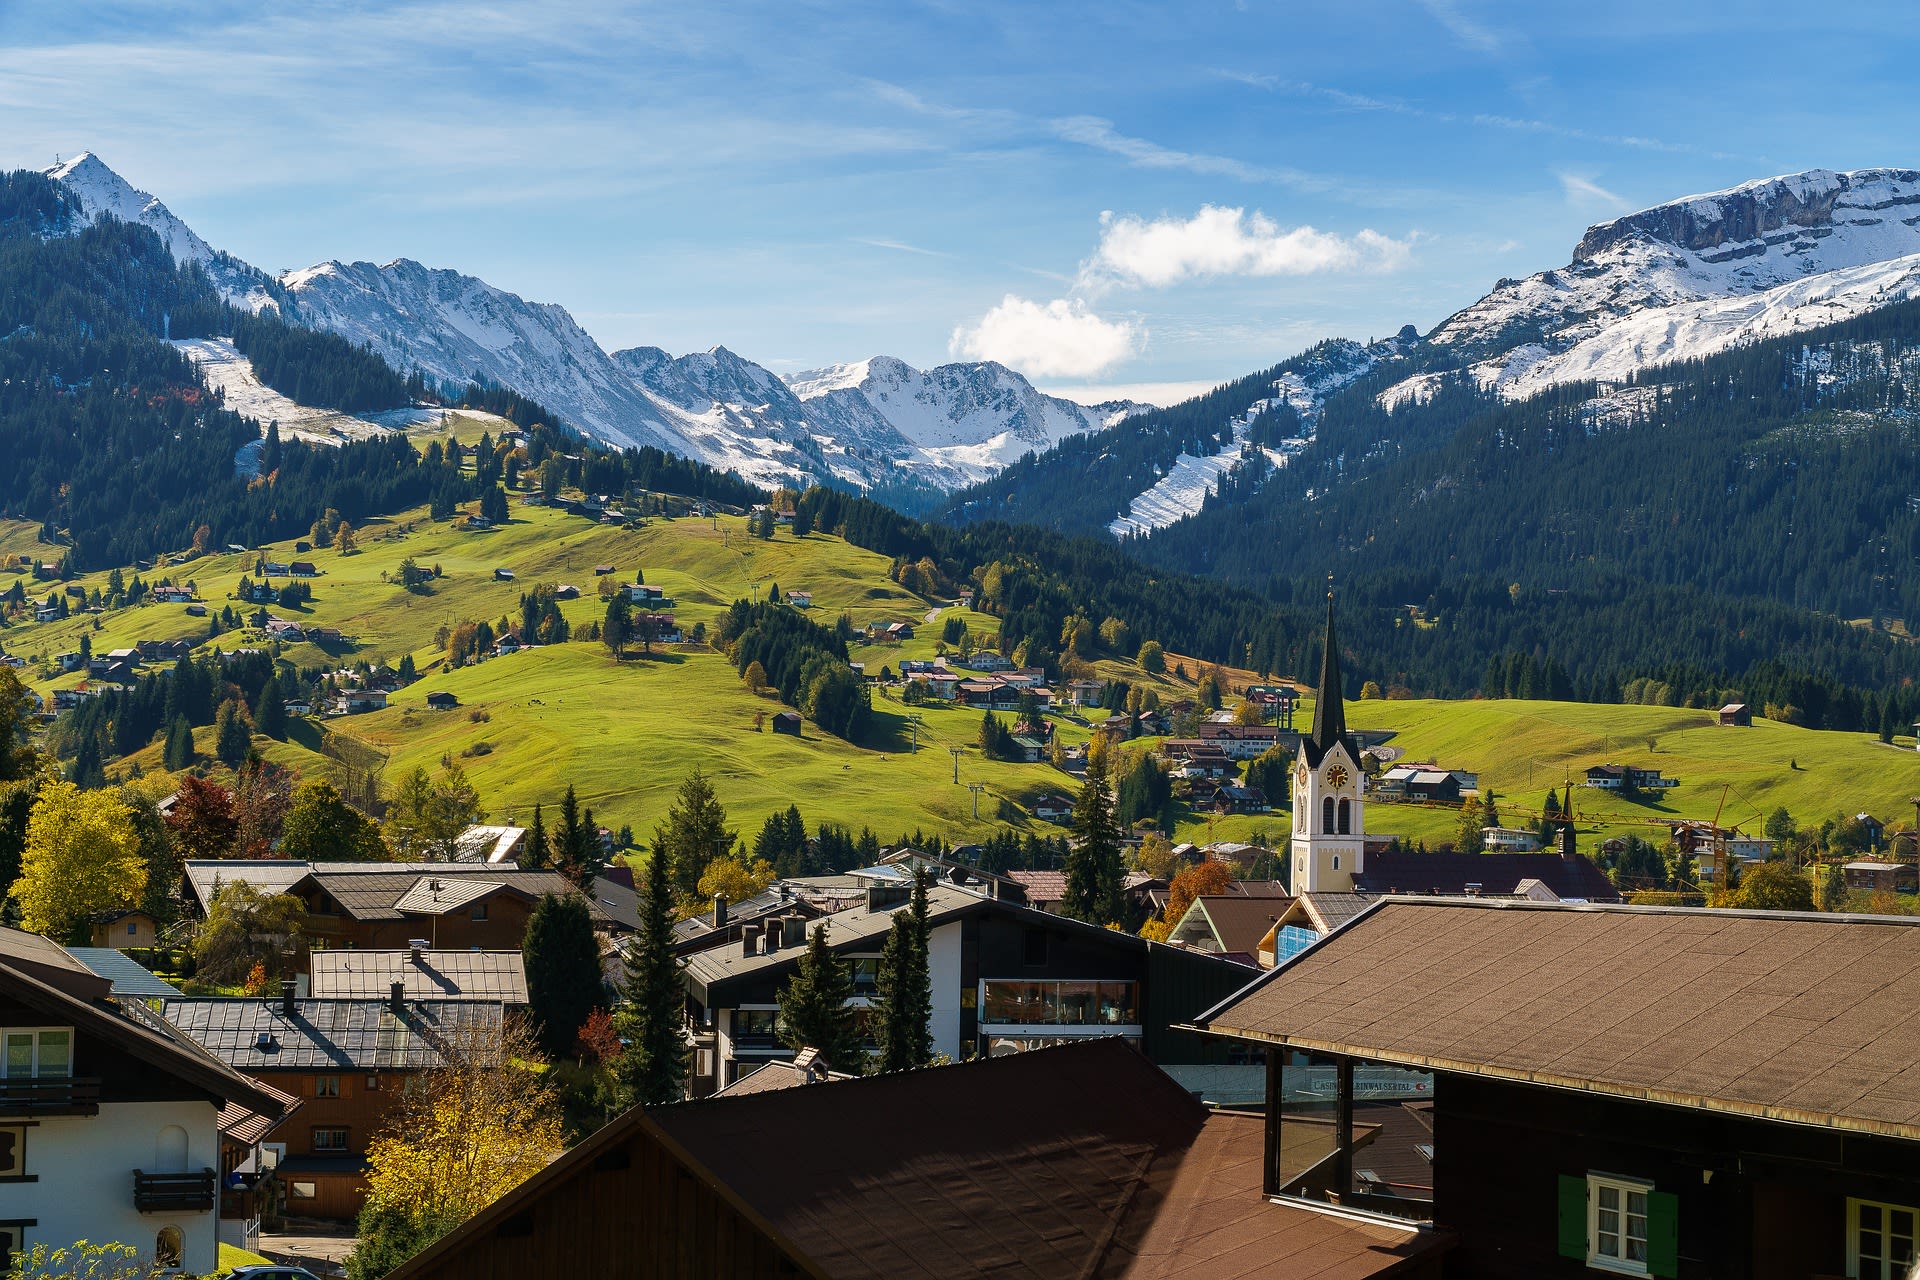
(175, 1192)
(50, 1096)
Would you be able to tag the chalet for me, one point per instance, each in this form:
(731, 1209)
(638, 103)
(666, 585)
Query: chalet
(1229, 925)
(303, 569)
(476, 523)
(285, 632)
(125, 930)
(297, 707)
(1027, 748)
(602, 570)
(1421, 782)
(164, 650)
(923, 666)
(1734, 713)
(985, 660)
(423, 974)
(1900, 877)
(1046, 890)
(1626, 777)
(75, 590)
(172, 595)
(566, 591)
(1240, 741)
(1568, 1130)
(347, 1060)
(650, 597)
(800, 599)
(1230, 798)
(1509, 840)
(70, 662)
(666, 630)
(895, 631)
(787, 722)
(1053, 808)
(259, 592)
(440, 700)
(46, 611)
(958, 1199)
(1086, 693)
(110, 1125)
(384, 906)
(503, 575)
(196, 611)
(353, 702)
(506, 644)
(1007, 978)
(302, 547)
(45, 572)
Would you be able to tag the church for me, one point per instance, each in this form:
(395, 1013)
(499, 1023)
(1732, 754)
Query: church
(1329, 790)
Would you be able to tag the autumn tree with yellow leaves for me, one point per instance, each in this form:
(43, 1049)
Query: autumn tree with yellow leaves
(82, 858)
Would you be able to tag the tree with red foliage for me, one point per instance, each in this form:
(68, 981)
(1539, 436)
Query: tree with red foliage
(597, 1041)
(1199, 881)
(202, 819)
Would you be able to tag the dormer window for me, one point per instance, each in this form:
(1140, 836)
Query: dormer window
(40, 1053)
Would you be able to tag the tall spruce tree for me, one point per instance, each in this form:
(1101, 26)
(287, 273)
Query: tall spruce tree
(233, 737)
(652, 1069)
(815, 1008)
(270, 715)
(179, 749)
(904, 1007)
(577, 852)
(563, 971)
(694, 833)
(1094, 870)
(539, 854)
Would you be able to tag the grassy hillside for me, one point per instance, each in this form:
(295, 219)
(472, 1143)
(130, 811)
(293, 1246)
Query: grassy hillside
(1521, 749)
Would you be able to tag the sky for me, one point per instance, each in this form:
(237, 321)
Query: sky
(1145, 197)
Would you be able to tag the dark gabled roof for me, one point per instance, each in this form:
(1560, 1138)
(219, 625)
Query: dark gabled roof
(129, 1027)
(1808, 1019)
(350, 1035)
(397, 895)
(1572, 879)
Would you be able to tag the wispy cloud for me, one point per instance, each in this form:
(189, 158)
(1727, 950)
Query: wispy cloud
(1468, 31)
(1057, 339)
(1098, 133)
(1220, 241)
(901, 246)
(1585, 191)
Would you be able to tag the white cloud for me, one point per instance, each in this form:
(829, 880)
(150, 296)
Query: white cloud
(1092, 131)
(1221, 241)
(1584, 191)
(1058, 339)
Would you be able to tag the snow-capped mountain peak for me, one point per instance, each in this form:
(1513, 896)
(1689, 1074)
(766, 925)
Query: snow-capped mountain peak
(1693, 276)
(103, 193)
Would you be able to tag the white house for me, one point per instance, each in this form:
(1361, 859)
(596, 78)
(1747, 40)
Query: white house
(111, 1128)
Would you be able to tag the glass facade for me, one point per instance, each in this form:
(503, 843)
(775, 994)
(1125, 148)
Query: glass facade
(755, 1028)
(1018, 1002)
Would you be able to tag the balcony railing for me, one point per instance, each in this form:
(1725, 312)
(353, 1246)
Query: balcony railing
(175, 1192)
(50, 1096)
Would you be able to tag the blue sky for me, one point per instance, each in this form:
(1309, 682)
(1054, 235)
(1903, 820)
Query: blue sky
(1119, 194)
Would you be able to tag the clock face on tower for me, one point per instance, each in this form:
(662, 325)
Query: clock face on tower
(1336, 775)
(1303, 775)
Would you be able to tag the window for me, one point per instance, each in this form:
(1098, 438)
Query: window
(326, 1086)
(1336, 862)
(41, 1053)
(166, 1248)
(373, 1084)
(303, 1191)
(866, 975)
(13, 1153)
(131, 928)
(1079, 1004)
(755, 1028)
(1619, 1224)
(1326, 815)
(1880, 1239)
(332, 1138)
(1036, 947)
(479, 911)
(1346, 817)
(13, 1239)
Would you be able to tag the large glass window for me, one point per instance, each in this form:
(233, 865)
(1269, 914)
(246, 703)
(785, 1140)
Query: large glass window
(755, 1028)
(1383, 1163)
(1017, 1002)
(1880, 1239)
(866, 975)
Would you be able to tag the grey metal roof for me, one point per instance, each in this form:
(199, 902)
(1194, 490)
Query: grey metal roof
(845, 929)
(277, 875)
(129, 976)
(434, 975)
(432, 896)
(352, 1035)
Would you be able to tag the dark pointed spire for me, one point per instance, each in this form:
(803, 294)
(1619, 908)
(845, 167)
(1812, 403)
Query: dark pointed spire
(1329, 709)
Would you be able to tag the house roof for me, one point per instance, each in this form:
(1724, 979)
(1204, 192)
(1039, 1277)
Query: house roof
(397, 895)
(432, 896)
(1573, 879)
(277, 875)
(129, 976)
(1810, 1020)
(1233, 924)
(351, 1035)
(127, 1025)
(246, 1127)
(491, 844)
(1041, 886)
(434, 975)
(1328, 911)
(772, 1077)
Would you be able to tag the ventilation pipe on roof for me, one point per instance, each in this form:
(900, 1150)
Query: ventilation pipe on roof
(286, 998)
(749, 940)
(397, 998)
(719, 910)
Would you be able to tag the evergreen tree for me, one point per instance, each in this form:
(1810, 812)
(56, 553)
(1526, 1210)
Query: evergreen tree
(232, 737)
(270, 711)
(577, 852)
(816, 1009)
(539, 852)
(652, 1069)
(179, 752)
(694, 834)
(1094, 873)
(563, 971)
(904, 1003)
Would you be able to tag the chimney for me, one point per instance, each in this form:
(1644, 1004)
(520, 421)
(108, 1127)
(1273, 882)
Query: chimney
(397, 998)
(749, 939)
(286, 998)
(413, 951)
(719, 910)
(773, 936)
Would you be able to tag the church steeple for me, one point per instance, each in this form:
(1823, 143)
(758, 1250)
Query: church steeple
(1329, 710)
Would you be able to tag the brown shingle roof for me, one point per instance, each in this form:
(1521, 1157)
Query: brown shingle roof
(1790, 1017)
(1238, 923)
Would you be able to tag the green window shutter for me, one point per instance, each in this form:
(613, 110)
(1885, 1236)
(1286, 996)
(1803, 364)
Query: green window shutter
(1573, 1217)
(1663, 1233)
